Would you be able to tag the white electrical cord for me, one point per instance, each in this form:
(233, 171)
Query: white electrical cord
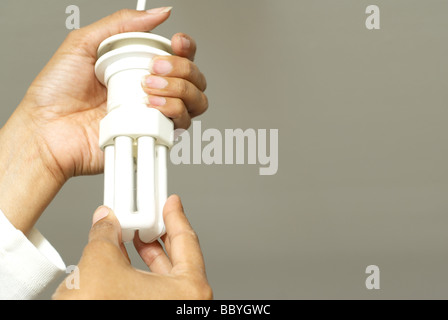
(141, 5)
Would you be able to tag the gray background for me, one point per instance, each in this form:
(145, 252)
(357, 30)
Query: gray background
(363, 146)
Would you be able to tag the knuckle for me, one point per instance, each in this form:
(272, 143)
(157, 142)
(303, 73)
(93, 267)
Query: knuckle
(77, 41)
(187, 68)
(187, 232)
(100, 234)
(74, 34)
(205, 104)
(204, 82)
(202, 107)
(123, 13)
(183, 88)
(178, 109)
(192, 234)
(187, 122)
(201, 290)
(152, 255)
(103, 225)
(122, 16)
(76, 38)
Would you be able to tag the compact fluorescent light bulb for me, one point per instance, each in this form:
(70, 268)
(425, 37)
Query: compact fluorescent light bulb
(134, 137)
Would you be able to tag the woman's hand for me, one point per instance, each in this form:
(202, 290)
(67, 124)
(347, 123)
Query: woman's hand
(53, 134)
(105, 271)
(66, 101)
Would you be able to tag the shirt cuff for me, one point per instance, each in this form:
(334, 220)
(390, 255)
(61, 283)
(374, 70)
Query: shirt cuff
(27, 264)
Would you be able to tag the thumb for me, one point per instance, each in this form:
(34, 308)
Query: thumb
(105, 226)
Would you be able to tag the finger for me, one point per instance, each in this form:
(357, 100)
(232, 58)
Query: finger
(105, 227)
(105, 239)
(172, 108)
(183, 46)
(153, 255)
(125, 20)
(178, 67)
(195, 100)
(184, 249)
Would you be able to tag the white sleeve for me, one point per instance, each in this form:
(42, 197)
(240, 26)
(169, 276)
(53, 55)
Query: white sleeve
(27, 265)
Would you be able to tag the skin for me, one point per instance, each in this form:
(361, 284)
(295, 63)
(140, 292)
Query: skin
(53, 134)
(177, 274)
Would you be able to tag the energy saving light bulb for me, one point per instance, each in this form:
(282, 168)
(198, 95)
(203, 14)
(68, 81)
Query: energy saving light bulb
(134, 137)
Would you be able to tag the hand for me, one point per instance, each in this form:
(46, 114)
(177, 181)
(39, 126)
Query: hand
(53, 134)
(66, 101)
(105, 271)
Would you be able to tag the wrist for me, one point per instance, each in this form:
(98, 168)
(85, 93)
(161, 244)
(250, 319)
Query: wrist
(27, 182)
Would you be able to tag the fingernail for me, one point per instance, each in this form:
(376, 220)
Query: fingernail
(160, 10)
(100, 213)
(154, 82)
(185, 42)
(160, 66)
